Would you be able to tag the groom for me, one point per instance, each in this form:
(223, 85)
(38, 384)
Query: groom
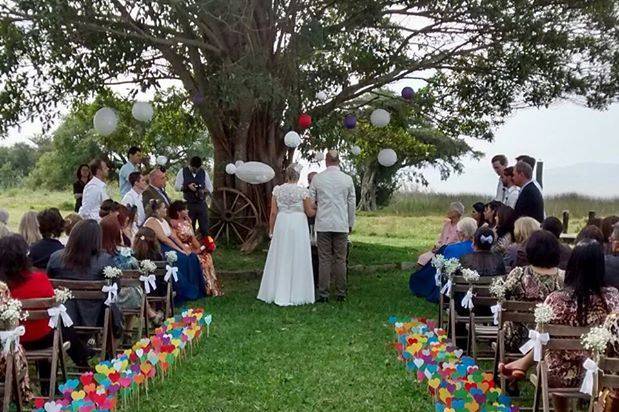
(334, 193)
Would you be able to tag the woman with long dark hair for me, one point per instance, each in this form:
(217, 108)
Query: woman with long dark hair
(583, 302)
(82, 175)
(504, 229)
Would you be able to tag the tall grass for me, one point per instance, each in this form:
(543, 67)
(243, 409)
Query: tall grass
(427, 204)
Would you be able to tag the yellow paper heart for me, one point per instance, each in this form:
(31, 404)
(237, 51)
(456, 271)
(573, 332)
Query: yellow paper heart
(443, 395)
(77, 395)
(472, 406)
(434, 383)
(103, 369)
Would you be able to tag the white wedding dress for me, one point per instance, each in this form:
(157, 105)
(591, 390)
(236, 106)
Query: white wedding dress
(288, 277)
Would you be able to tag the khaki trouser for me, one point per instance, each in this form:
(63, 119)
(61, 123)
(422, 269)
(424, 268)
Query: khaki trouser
(332, 249)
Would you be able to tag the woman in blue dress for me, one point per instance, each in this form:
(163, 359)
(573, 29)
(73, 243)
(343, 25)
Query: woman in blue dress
(190, 285)
(422, 282)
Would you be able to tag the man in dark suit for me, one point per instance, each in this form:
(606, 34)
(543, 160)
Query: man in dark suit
(530, 201)
(157, 180)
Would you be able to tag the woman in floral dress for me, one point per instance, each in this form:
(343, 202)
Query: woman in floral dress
(533, 282)
(181, 225)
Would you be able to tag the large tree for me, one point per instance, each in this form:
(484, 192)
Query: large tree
(249, 67)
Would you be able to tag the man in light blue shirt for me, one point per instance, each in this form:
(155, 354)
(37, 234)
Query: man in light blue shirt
(135, 158)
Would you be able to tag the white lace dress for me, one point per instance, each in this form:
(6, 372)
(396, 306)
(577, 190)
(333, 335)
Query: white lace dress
(288, 278)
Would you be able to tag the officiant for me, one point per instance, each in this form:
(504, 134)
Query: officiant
(195, 184)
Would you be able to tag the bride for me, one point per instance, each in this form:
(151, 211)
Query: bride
(288, 278)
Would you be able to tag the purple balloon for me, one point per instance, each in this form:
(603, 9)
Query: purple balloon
(408, 93)
(350, 121)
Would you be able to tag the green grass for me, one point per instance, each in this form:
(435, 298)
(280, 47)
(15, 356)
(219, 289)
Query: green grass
(327, 357)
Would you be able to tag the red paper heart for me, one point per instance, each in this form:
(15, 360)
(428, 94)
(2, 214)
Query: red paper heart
(86, 378)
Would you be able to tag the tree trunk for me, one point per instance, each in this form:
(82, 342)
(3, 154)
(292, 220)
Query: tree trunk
(368, 188)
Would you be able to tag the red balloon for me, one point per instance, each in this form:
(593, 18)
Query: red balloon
(305, 121)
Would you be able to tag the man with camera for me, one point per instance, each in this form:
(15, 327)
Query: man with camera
(195, 184)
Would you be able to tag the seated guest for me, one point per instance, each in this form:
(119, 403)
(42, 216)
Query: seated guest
(504, 229)
(69, 223)
(449, 234)
(533, 282)
(29, 228)
(190, 285)
(606, 226)
(51, 225)
(612, 260)
(422, 282)
(483, 260)
(126, 219)
(515, 253)
(554, 226)
(25, 283)
(146, 246)
(490, 210)
(4, 223)
(129, 297)
(478, 213)
(83, 259)
(590, 232)
(182, 227)
(109, 207)
(19, 356)
(512, 191)
(530, 201)
(584, 302)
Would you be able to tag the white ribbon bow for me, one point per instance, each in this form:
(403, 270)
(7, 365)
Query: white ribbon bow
(171, 272)
(446, 290)
(496, 309)
(112, 293)
(437, 277)
(54, 315)
(149, 282)
(467, 301)
(591, 369)
(486, 239)
(535, 342)
(11, 336)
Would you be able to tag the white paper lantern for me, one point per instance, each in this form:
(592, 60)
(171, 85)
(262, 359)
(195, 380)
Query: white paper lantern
(380, 117)
(387, 157)
(162, 160)
(322, 96)
(292, 139)
(105, 121)
(255, 173)
(319, 157)
(230, 168)
(142, 111)
(238, 163)
(355, 150)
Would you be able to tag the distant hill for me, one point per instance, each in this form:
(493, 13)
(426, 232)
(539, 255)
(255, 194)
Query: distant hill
(589, 179)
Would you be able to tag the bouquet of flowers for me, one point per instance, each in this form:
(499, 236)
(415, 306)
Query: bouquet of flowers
(450, 266)
(171, 257)
(498, 289)
(11, 314)
(438, 262)
(147, 266)
(543, 313)
(111, 272)
(62, 295)
(209, 244)
(597, 339)
(470, 275)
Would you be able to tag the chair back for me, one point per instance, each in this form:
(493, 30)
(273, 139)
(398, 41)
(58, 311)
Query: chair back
(609, 377)
(131, 277)
(520, 311)
(565, 337)
(82, 289)
(37, 308)
(161, 268)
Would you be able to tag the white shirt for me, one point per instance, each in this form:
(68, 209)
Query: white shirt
(95, 192)
(133, 198)
(334, 192)
(123, 178)
(501, 192)
(512, 196)
(178, 183)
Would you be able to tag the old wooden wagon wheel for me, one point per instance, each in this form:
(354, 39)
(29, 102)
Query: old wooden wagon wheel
(233, 216)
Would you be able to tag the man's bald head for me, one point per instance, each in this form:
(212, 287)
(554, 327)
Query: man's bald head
(332, 158)
(157, 178)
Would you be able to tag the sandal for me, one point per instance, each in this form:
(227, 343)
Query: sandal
(512, 374)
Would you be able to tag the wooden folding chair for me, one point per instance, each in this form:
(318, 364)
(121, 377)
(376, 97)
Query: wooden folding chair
(56, 353)
(607, 378)
(92, 290)
(482, 328)
(9, 388)
(131, 278)
(167, 301)
(512, 311)
(443, 307)
(563, 338)
(458, 285)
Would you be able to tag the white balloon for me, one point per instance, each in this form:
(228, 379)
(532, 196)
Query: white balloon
(142, 111)
(105, 121)
(238, 163)
(355, 150)
(387, 157)
(322, 96)
(162, 160)
(319, 157)
(255, 173)
(292, 139)
(230, 168)
(380, 117)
